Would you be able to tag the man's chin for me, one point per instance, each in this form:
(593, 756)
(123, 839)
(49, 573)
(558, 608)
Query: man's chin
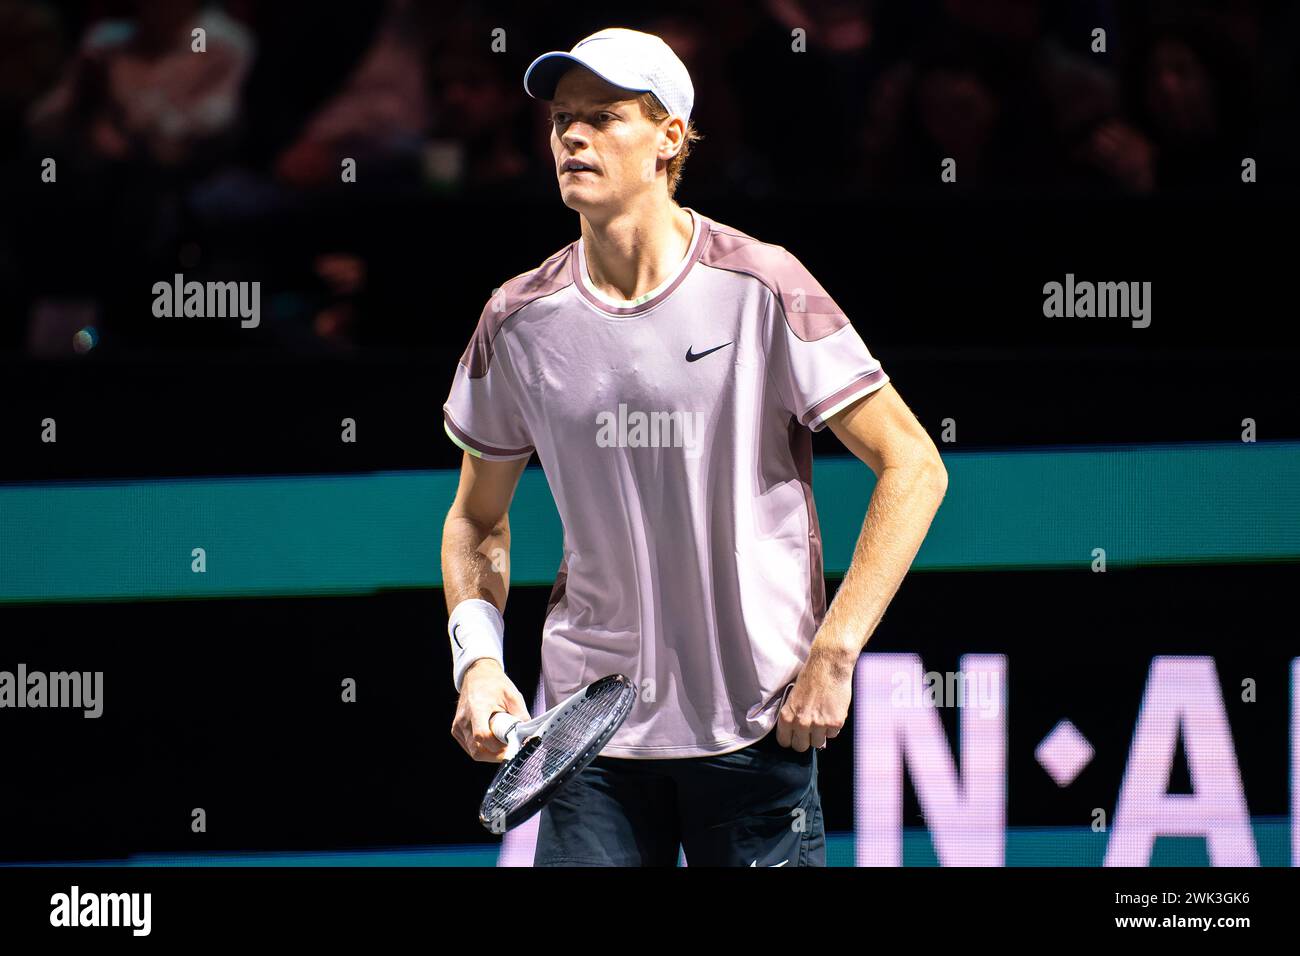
(579, 199)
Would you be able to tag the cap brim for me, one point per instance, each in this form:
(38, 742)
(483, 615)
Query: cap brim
(543, 75)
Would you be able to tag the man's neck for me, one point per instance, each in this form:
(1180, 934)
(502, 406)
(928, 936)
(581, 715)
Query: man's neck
(633, 252)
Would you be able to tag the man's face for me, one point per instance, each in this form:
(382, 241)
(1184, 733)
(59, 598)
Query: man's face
(602, 127)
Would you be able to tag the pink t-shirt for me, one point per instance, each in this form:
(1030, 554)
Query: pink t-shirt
(674, 432)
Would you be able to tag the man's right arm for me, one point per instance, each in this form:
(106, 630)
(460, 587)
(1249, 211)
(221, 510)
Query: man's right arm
(476, 565)
(476, 534)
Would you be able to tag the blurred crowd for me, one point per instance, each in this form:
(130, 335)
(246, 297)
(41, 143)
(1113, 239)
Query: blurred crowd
(157, 146)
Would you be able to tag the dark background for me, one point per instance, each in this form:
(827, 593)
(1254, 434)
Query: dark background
(1122, 166)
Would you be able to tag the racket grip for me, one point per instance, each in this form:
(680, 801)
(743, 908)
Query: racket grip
(500, 724)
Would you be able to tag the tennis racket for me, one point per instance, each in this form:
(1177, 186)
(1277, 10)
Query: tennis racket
(545, 753)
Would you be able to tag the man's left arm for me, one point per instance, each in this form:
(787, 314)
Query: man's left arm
(910, 484)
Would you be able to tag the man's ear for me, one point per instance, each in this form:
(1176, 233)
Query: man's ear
(672, 136)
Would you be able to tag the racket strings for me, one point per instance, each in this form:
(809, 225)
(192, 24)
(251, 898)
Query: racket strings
(567, 737)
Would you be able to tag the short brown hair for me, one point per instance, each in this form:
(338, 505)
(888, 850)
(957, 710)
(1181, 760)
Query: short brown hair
(655, 112)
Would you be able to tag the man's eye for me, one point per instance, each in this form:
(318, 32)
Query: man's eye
(562, 119)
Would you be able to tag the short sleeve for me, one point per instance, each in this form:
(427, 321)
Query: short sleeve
(817, 359)
(482, 413)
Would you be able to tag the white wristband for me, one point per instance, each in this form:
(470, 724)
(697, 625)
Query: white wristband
(477, 630)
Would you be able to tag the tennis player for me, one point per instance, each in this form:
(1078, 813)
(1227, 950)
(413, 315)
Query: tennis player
(668, 371)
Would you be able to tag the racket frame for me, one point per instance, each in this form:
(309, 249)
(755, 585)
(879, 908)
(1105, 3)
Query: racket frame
(523, 737)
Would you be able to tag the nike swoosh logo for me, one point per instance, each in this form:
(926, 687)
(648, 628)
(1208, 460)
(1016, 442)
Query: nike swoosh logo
(783, 862)
(696, 356)
(455, 638)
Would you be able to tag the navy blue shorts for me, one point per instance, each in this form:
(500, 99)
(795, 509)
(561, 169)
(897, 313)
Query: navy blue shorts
(757, 806)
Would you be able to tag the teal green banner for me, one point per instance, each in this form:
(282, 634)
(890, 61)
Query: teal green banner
(356, 534)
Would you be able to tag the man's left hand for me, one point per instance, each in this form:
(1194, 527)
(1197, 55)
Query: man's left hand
(818, 705)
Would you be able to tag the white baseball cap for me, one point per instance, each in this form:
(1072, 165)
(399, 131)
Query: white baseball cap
(640, 62)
